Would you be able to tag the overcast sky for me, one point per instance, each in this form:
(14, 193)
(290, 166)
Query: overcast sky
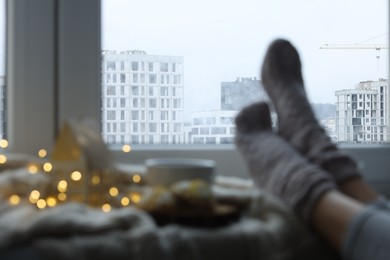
(221, 40)
(225, 39)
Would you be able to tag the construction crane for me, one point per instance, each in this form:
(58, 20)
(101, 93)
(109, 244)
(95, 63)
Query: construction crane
(355, 46)
(376, 47)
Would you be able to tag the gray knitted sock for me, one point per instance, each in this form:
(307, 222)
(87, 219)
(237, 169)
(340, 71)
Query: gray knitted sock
(275, 166)
(282, 80)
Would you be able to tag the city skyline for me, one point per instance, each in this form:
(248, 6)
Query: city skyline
(236, 34)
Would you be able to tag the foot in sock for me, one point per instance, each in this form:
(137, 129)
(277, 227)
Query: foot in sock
(275, 166)
(282, 80)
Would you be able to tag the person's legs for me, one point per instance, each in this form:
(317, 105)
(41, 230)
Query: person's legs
(282, 79)
(275, 166)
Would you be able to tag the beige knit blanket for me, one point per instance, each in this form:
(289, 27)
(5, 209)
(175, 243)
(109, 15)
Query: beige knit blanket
(267, 230)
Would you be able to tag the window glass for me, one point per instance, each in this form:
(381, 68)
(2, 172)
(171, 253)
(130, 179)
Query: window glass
(201, 65)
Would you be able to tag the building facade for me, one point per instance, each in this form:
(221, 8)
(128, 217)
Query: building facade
(142, 98)
(217, 126)
(362, 114)
(240, 93)
(213, 127)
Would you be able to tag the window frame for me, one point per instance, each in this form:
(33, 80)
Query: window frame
(69, 75)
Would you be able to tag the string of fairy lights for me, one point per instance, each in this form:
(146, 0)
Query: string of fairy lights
(71, 185)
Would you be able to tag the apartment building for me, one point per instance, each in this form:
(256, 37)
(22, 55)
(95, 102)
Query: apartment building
(362, 114)
(239, 93)
(217, 126)
(213, 127)
(142, 98)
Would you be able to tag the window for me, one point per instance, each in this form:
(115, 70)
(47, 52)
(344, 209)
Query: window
(150, 66)
(134, 66)
(123, 77)
(200, 91)
(123, 102)
(152, 78)
(111, 65)
(152, 127)
(134, 115)
(164, 67)
(111, 114)
(134, 90)
(110, 90)
(153, 103)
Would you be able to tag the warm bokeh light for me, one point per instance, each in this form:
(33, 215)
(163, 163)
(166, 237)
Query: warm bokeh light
(41, 203)
(61, 196)
(3, 143)
(14, 199)
(136, 178)
(33, 169)
(126, 148)
(62, 186)
(47, 167)
(35, 194)
(114, 191)
(95, 180)
(125, 201)
(135, 197)
(51, 202)
(42, 153)
(106, 207)
(3, 159)
(76, 176)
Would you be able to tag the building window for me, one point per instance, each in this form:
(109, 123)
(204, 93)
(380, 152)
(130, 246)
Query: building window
(123, 102)
(218, 130)
(150, 66)
(152, 78)
(134, 65)
(134, 115)
(123, 77)
(111, 65)
(204, 131)
(198, 140)
(164, 67)
(211, 140)
(111, 115)
(153, 127)
(226, 140)
(163, 91)
(152, 103)
(176, 79)
(176, 103)
(134, 90)
(164, 115)
(110, 90)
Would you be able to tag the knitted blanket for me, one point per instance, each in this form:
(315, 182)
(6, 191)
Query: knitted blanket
(266, 230)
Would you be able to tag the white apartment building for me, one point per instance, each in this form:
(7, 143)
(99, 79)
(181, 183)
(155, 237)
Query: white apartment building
(362, 114)
(213, 127)
(142, 98)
